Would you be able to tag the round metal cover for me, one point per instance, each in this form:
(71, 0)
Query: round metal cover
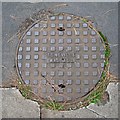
(60, 58)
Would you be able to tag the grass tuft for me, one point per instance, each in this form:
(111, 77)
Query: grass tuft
(54, 105)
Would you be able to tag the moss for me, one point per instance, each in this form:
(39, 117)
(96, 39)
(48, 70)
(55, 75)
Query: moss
(106, 63)
(25, 90)
(84, 20)
(103, 37)
(54, 105)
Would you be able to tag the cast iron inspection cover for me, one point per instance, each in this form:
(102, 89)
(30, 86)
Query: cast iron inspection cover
(61, 58)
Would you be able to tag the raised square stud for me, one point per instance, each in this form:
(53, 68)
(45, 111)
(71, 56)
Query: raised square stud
(36, 33)
(85, 40)
(95, 73)
(44, 65)
(52, 73)
(102, 56)
(35, 90)
(28, 41)
(61, 48)
(69, 98)
(52, 18)
(61, 33)
(52, 65)
(61, 90)
(20, 49)
(44, 57)
(85, 32)
(69, 82)
(76, 25)
(44, 25)
(53, 25)
(27, 65)
(77, 32)
(69, 33)
(94, 57)
(36, 25)
(77, 65)
(78, 82)
(85, 48)
(28, 57)
(93, 32)
(44, 73)
(19, 57)
(77, 48)
(86, 82)
(60, 41)
(78, 90)
(51, 90)
(52, 48)
(36, 49)
(44, 49)
(101, 49)
(27, 82)
(102, 65)
(86, 65)
(60, 98)
(60, 82)
(52, 82)
(95, 82)
(69, 18)
(69, 90)
(36, 73)
(86, 73)
(43, 82)
(19, 65)
(77, 56)
(27, 49)
(44, 33)
(94, 65)
(36, 65)
(85, 57)
(43, 90)
(86, 90)
(36, 41)
(52, 33)
(69, 65)
(60, 17)
(44, 40)
(94, 48)
(60, 25)
(94, 40)
(29, 33)
(61, 65)
(60, 73)
(85, 25)
(52, 41)
(35, 82)
(77, 73)
(69, 40)
(36, 57)
(77, 40)
(69, 48)
(69, 25)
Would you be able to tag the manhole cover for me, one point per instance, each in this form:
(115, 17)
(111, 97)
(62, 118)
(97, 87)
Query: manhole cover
(61, 58)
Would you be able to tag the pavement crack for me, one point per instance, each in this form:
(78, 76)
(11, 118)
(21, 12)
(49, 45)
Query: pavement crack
(95, 112)
(40, 112)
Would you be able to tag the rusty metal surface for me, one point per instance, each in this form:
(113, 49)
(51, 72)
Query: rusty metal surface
(61, 58)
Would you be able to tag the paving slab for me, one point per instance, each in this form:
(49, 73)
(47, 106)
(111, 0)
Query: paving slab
(109, 110)
(16, 106)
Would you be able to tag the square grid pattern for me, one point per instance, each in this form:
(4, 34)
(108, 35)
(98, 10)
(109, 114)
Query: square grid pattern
(49, 57)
